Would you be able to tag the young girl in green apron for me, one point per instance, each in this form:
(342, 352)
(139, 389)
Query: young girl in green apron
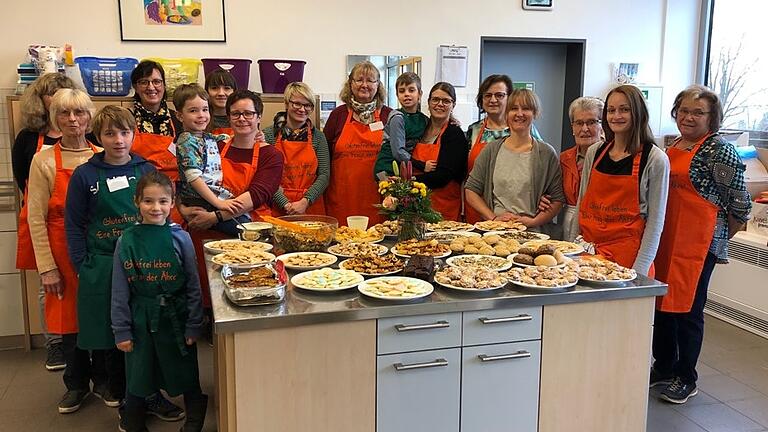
(156, 311)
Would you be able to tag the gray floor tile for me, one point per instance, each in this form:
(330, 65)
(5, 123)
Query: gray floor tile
(738, 360)
(705, 370)
(754, 378)
(665, 419)
(756, 409)
(725, 388)
(719, 418)
(721, 334)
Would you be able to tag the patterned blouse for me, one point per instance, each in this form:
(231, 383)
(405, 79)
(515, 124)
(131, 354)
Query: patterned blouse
(717, 173)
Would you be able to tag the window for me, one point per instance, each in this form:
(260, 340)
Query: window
(738, 63)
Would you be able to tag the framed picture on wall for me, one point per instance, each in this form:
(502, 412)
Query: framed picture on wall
(538, 4)
(172, 20)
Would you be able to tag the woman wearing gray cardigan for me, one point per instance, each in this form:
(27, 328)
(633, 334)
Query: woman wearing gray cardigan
(511, 174)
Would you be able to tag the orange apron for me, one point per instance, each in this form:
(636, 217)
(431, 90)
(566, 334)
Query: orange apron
(25, 254)
(688, 227)
(351, 191)
(156, 149)
(571, 175)
(609, 215)
(447, 199)
(224, 130)
(299, 171)
(471, 215)
(61, 314)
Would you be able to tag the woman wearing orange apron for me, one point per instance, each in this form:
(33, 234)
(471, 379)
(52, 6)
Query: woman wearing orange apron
(251, 171)
(705, 207)
(355, 131)
(623, 196)
(220, 84)
(305, 151)
(443, 149)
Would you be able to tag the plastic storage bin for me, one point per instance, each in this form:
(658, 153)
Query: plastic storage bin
(277, 74)
(239, 68)
(178, 71)
(105, 76)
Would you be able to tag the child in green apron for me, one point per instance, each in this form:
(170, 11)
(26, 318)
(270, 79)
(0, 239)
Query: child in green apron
(156, 310)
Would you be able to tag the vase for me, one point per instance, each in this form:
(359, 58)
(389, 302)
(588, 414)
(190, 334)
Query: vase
(411, 228)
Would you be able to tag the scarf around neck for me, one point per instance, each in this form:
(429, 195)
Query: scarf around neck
(364, 111)
(158, 123)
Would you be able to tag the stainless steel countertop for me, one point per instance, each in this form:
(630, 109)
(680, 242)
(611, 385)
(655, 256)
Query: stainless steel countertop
(302, 307)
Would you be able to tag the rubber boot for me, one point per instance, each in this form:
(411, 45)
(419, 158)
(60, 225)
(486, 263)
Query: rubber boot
(195, 414)
(133, 419)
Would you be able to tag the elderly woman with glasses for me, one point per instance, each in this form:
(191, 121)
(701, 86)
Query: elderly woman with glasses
(305, 150)
(355, 131)
(708, 202)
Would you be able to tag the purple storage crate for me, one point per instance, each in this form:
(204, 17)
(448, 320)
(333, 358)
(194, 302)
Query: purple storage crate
(277, 74)
(239, 68)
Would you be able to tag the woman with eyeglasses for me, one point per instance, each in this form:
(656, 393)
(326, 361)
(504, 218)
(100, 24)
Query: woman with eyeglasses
(624, 184)
(511, 174)
(585, 114)
(440, 157)
(708, 203)
(305, 150)
(355, 131)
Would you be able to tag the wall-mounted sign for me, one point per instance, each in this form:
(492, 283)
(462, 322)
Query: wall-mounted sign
(537, 4)
(530, 85)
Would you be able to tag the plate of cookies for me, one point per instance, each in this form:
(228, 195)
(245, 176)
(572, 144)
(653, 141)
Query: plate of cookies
(232, 245)
(349, 250)
(449, 225)
(374, 265)
(388, 228)
(307, 260)
(491, 245)
(472, 278)
(429, 247)
(544, 255)
(497, 225)
(395, 288)
(327, 279)
(566, 247)
(520, 236)
(599, 271)
(346, 234)
(547, 278)
(485, 261)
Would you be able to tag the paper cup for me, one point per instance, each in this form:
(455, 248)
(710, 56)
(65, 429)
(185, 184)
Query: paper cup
(359, 222)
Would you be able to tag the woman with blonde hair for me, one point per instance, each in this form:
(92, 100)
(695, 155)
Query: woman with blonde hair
(307, 167)
(355, 131)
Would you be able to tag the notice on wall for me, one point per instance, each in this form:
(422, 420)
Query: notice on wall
(452, 64)
(529, 85)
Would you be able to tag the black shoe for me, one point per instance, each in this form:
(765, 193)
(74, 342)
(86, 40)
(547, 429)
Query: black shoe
(162, 408)
(658, 379)
(678, 392)
(102, 392)
(72, 400)
(195, 414)
(55, 358)
(131, 422)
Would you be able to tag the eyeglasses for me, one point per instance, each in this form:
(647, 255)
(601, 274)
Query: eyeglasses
(498, 96)
(360, 81)
(440, 101)
(697, 114)
(146, 82)
(299, 105)
(248, 115)
(589, 123)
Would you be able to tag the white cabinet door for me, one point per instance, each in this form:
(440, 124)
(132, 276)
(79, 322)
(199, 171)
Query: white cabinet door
(418, 391)
(500, 387)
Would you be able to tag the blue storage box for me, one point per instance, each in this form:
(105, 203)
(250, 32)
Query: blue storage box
(105, 76)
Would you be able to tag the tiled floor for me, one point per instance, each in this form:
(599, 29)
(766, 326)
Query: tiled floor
(733, 392)
(733, 386)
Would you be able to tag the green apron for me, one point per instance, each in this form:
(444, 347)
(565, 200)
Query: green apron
(160, 359)
(114, 212)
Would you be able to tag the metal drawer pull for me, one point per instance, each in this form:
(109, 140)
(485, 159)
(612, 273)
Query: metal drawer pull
(437, 363)
(436, 325)
(518, 355)
(521, 317)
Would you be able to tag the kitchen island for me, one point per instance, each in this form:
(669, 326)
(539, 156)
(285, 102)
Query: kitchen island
(507, 360)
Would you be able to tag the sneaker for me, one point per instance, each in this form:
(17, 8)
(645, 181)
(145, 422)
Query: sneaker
(102, 392)
(162, 408)
(658, 379)
(72, 400)
(55, 358)
(678, 392)
(122, 427)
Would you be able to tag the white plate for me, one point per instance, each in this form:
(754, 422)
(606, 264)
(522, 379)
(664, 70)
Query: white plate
(478, 227)
(579, 250)
(331, 260)
(394, 251)
(382, 250)
(342, 265)
(454, 287)
(463, 227)
(294, 280)
(268, 258)
(452, 261)
(539, 287)
(607, 283)
(456, 233)
(364, 288)
(266, 247)
(511, 260)
(503, 233)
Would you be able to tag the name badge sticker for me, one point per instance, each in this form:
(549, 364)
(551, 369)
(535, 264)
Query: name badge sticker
(172, 149)
(117, 183)
(376, 126)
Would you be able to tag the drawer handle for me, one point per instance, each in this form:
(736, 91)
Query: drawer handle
(404, 367)
(518, 355)
(521, 317)
(435, 325)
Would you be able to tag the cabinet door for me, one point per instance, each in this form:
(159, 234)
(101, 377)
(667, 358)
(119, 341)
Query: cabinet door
(502, 325)
(500, 387)
(418, 392)
(418, 333)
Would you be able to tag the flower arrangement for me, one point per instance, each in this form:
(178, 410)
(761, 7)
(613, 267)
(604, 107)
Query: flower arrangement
(407, 200)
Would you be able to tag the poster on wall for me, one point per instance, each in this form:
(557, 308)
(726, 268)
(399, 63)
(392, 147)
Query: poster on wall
(172, 20)
(452, 64)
